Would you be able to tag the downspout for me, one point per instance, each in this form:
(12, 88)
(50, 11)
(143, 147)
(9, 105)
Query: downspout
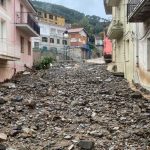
(125, 67)
(14, 36)
(137, 45)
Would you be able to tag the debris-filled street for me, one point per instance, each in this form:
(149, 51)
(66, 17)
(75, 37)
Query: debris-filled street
(72, 107)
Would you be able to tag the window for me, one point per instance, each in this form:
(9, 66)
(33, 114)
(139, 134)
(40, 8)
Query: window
(2, 2)
(60, 32)
(22, 44)
(58, 41)
(51, 40)
(53, 30)
(2, 29)
(29, 48)
(36, 44)
(45, 15)
(40, 13)
(64, 42)
(55, 17)
(44, 39)
(50, 16)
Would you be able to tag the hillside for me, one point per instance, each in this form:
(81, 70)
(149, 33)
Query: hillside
(93, 24)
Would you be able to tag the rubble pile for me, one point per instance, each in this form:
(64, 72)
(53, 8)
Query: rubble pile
(72, 107)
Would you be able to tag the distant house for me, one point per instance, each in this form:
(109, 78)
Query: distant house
(51, 37)
(79, 39)
(51, 18)
(78, 36)
(17, 26)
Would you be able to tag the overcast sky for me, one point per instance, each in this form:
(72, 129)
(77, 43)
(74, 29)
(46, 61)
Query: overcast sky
(89, 7)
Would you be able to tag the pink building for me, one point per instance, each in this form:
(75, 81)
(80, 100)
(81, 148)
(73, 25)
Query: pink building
(17, 26)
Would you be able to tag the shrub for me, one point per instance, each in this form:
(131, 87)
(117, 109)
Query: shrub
(44, 63)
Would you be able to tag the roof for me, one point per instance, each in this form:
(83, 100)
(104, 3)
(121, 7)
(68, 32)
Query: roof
(45, 11)
(31, 5)
(77, 30)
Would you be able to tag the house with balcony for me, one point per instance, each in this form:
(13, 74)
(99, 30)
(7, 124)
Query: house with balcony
(79, 38)
(130, 33)
(120, 32)
(138, 12)
(17, 25)
(51, 41)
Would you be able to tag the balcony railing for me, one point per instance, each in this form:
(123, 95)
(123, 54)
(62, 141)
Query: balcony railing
(25, 18)
(8, 50)
(115, 30)
(138, 10)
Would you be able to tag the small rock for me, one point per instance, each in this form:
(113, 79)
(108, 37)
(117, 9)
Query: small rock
(136, 95)
(74, 103)
(14, 133)
(10, 148)
(27, 132)
(71, 147)
(86, 145)
(17, 98)
(68, 137)
(108, 80)
(136, 109)
(26, 73)
(2, 147)
(2, 101)
(3, 137)
(30, 103)
(97, 134)
(93, 114)
(9, 85)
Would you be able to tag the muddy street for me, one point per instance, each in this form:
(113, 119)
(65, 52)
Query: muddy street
(72, 107)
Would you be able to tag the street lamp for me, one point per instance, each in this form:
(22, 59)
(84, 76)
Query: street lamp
(65, 36)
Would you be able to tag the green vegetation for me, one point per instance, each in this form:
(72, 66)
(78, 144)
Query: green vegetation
(93, 24)
(44, 63)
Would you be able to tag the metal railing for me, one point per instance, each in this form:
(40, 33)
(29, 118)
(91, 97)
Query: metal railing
(132, 5)
(29, 19)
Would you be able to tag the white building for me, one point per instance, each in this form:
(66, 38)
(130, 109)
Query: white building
(51, 37)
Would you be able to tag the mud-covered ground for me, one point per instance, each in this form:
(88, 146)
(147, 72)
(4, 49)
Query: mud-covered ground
(72, 107)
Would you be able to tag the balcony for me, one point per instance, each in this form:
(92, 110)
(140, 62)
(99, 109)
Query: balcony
(27, 23)
(8, 51)
(109, 4)
(115, 30)
(108, 9)
(138, 10)
(112, 3)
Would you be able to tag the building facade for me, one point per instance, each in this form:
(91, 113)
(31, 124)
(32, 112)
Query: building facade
(78, 37)
(51, 37)
(130, 33)
(46, 17)
(139, 16)
(17, 26)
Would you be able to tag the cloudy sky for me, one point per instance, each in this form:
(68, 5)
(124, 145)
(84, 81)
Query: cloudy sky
(89, 7)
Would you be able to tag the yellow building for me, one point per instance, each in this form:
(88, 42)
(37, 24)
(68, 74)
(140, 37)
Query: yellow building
(51, 18)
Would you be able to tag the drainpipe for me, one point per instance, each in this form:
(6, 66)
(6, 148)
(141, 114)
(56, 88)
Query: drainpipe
(14, 36)
(137, 45)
